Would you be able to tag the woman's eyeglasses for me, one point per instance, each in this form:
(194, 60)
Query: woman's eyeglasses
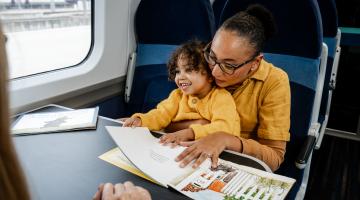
(225, 67)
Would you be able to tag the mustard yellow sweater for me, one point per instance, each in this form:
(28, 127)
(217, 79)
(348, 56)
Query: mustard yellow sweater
(218, 107)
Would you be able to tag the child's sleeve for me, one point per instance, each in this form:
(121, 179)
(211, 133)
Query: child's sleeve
(161, 116)
(224, 117)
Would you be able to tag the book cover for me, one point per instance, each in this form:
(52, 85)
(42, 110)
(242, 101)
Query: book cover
(117, 158)
(227, 181)
(35, 123)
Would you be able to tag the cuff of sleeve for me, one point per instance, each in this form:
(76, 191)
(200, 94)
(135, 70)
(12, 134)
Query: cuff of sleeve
(144, 121)
(280, 134)
(247, 148)
(199, 132)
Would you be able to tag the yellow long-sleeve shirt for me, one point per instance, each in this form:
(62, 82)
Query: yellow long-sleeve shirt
(263, 104)
(217, 106)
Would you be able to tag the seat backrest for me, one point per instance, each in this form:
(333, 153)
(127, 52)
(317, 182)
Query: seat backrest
(173, 22)
(218, 7)
(329, 18)
(296, 49)
(291, 25)
(162, 25)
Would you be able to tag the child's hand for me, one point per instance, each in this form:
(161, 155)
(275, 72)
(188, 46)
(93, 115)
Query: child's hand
(177, 137)
(123, 119)
(132, 122)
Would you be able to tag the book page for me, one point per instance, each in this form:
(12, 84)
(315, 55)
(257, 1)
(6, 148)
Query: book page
(147, 154)
(56, 121)
(234, 182)
(117, 158)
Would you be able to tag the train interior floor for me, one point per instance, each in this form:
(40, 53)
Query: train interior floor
(334, 172)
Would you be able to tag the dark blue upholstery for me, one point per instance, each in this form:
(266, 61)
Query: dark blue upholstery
(330, 29)
(294, 25)
(329, 17)
(174, 21)
(162, 25)
(218, 6)
(296, 49)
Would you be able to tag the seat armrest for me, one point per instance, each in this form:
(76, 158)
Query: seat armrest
(305, 152)
(130, 76)
(335, 69)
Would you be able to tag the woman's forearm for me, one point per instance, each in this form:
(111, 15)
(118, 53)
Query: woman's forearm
(270, 151)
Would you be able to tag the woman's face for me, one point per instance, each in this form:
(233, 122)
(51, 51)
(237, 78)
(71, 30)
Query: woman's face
(228, 47)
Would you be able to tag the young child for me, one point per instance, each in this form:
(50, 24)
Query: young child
(195, 98)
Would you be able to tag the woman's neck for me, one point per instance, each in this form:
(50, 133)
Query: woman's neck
(232, 88)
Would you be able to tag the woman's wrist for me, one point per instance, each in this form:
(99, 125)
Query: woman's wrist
(232, 142)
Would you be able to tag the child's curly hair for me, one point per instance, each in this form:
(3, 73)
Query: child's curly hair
(192, 51)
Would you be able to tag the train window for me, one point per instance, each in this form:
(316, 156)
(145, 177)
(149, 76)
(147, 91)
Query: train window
(45, 35)
(103, 68)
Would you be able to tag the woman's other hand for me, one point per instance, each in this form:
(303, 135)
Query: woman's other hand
(126, 191)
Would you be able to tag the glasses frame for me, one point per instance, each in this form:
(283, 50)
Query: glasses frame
(233, 67)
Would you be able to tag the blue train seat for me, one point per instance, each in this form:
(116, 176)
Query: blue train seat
(218, 6)
(331, 35)
(298, 49)
(160, 26)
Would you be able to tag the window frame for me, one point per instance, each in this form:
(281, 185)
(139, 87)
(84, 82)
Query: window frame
(105, 62)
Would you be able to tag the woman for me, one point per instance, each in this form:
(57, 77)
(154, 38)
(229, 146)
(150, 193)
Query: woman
(126, 191)
(12, 181)
(261, 92)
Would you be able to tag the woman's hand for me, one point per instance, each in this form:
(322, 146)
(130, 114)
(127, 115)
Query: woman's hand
(132, 122)
(208, 147)
(177, 137)
(126, 191)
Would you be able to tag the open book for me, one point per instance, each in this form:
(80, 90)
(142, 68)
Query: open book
(227, 181)
(34, 123)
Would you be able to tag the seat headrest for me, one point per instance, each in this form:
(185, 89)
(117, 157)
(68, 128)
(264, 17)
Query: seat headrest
(298, 23)
(174, 21)
(218, 6)
(329, 17)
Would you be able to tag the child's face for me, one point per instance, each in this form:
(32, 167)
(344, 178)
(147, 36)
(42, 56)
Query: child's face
(190, 81)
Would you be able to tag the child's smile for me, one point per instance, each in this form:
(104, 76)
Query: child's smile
(184, 85)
